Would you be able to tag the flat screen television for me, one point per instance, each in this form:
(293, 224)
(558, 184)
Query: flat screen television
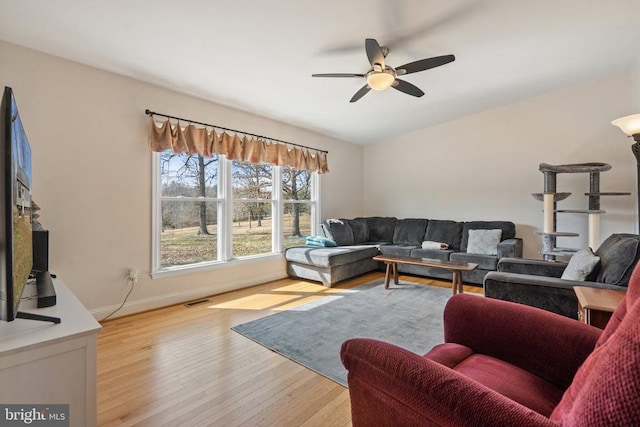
(16, 250)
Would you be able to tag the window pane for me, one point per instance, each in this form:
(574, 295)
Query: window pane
(251, 228)
(297, 223)
(188, 175)
(188, 233)
(252, 181)
(296, 185)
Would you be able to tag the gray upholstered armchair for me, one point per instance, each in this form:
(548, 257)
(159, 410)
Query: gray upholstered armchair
(537, 283)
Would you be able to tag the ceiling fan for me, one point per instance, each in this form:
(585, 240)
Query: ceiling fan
(382, 76)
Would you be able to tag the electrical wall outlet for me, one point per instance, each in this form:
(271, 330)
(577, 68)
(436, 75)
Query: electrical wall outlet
(132, 275)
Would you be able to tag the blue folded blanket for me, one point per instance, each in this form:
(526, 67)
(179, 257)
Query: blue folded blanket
(320, 241)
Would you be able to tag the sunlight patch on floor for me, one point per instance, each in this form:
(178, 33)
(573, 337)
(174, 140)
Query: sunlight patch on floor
(259, 301)
(282, 298)
(300, 287)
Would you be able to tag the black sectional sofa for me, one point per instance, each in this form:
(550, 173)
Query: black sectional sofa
(360, 239)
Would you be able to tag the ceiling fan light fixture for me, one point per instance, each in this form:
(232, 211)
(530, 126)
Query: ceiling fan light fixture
(381, 80)
(382, 76)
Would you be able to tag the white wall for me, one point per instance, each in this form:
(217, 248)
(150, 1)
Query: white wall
(635, 88)
(92, 177)
(485, 166)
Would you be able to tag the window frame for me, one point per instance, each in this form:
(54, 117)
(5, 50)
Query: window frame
(224, 257)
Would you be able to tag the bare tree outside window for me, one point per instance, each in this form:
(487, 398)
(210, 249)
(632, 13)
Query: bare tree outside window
(190, 204)
(296, 189)
(189, 215)
(252, 187)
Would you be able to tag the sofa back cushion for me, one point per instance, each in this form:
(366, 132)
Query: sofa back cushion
(618, 256)
(381, 228)
(508, 230)
(409, 231)
(360, 229)
(444, 231)
(339, 231)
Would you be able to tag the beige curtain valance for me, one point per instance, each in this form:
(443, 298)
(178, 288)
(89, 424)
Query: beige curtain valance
(199, 140)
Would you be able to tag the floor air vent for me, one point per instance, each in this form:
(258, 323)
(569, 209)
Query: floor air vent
(197, 302)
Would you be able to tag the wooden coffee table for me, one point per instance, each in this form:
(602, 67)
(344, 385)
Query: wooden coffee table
(455, 267)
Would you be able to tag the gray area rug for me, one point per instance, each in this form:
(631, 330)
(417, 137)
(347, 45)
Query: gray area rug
(408, 315)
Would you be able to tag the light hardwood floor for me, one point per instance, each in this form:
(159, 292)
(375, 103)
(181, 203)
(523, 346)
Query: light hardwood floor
(181, 366)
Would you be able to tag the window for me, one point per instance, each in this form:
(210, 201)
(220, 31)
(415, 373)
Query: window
(297, 207)
(189, 207)
(212, 210)
(252, 189)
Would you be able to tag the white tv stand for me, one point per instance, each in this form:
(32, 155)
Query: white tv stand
(45, 363)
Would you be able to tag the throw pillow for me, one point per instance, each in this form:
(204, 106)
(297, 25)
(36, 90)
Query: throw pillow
(580, 265)
(320, 241)
(434, 245)
(484, 242)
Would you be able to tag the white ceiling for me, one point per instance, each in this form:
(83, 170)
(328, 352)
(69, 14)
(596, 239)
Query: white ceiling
(258, 56)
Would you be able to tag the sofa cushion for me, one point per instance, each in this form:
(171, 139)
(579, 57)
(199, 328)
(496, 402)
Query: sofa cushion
(380, 228)
(442, 254)
(409, 231)
(618, 255)
(485, 262)
(484, 242)
(508, 230)
(444, 231)
(507, 379)
(339, 231)
(511, 381)
(360, 230)
(580, 265)
(397, 250)
(329, 257)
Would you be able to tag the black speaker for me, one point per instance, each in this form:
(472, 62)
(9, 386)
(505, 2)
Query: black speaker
(46, 291)
(40, 250)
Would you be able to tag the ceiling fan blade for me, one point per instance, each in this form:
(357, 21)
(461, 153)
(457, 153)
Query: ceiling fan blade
(456, 14)
(359, 94)
(374, 53)
(407, 88)
(424, 64)
(341, 49)
(337, 75)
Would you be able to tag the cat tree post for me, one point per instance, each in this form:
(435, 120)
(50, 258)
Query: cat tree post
(594, 206)
(550, 198)
(549, 219)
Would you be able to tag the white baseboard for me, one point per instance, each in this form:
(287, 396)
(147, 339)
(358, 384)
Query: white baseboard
(145, 304)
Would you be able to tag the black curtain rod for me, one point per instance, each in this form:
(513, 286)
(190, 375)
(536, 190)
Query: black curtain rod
(153, 113)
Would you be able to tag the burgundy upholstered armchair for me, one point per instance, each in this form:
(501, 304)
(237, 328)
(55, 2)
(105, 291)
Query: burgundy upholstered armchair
(504, 364)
